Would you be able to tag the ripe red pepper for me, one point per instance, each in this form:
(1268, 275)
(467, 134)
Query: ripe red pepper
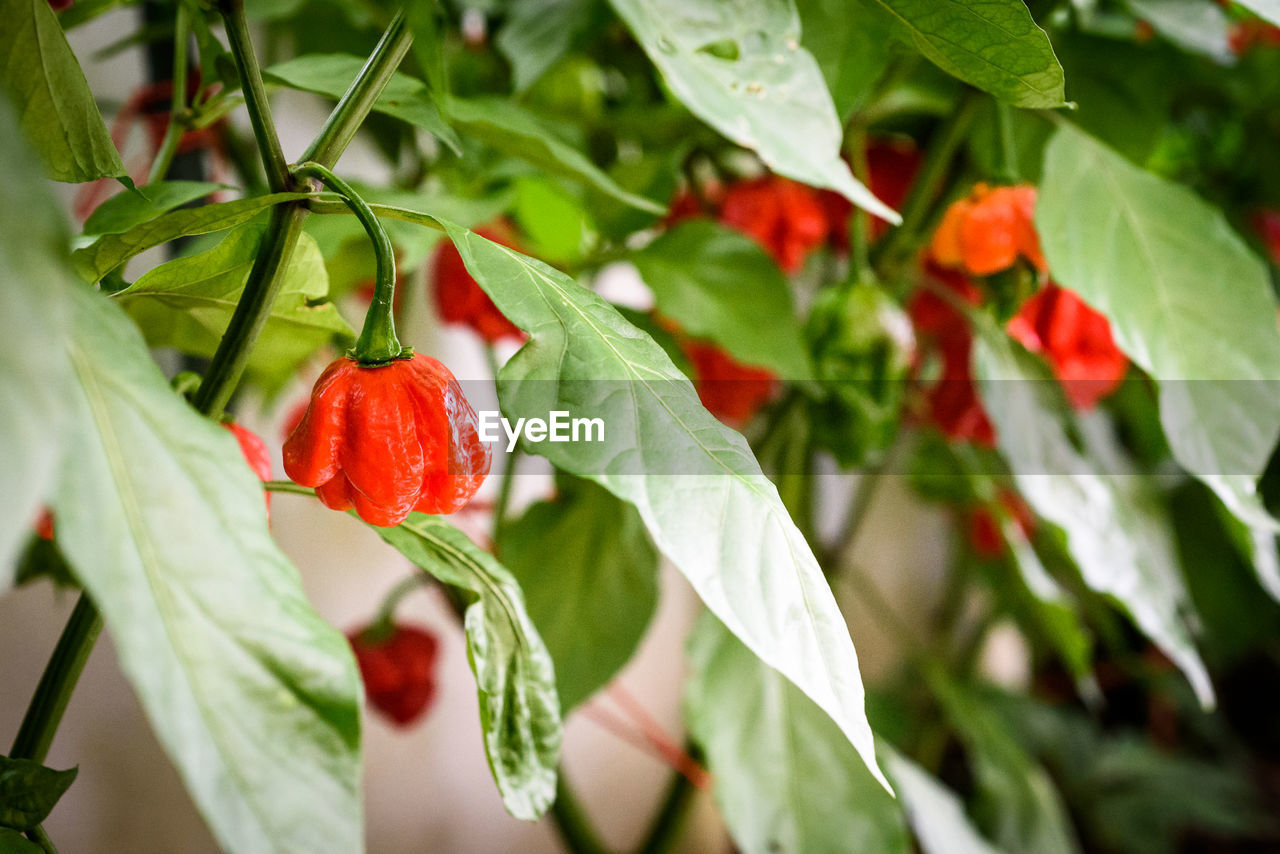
(892, 165)
(255, 454)
(988, 231)
(460, 299)
(1076, 341)
(44, 525)
(388, 439)
(398, 670)
(730, 390)
(783, 216)
(985, 535)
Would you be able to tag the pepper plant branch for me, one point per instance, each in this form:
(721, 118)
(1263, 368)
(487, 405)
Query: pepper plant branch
(572, 821)
(668, 823)
(177, 98)
(289, 487)
(349, 114)
(53, 692)
(378, 342)
(255, 94)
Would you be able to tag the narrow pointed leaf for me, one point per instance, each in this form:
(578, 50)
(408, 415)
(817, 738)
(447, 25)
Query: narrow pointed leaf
(131, 209)
(29, 791)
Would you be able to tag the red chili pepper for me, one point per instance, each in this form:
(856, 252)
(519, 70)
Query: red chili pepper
(255, 454)
(44, 525)
(783, 216)
(388, 439)
(1076, 341)
(985, 534)
(988, 231)
(398, 670)
(1246, 35)
(1267, 224)
(730, 390)
(460, 299)
(892, 166)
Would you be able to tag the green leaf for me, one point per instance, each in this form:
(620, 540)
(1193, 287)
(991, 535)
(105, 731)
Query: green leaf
(13, 842)
(1198, 26)
(109, 251)
(589, 576)
(515, 131)
(740, 68)
(994, 45)
(698, 488)
(935, 812)
(850, 41)
(519, 709)
(188, 302)
(537, 33)
(786, 778)
(719, 284)
(29, 791)
(1188, 302)
(1116, 532)
(330, 74)
(1269, 9)
(1024, 808)
(56, 110)
(254, 696)
(130, 209)
(555, 224)
(33, 281)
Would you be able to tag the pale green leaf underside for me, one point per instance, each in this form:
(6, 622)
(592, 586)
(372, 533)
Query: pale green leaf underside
(1269, 9)
(56, 110)
(1116, 532)
(519, 709)
(935, 812)
(1187, 301)
(992, 44)
(707, 505)
(252, 694)
(771, 98)
(786, 778)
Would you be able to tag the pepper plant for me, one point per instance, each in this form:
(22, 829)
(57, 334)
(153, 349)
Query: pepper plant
(1017, 258)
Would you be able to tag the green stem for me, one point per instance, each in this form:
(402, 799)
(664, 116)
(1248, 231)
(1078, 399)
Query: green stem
(860, 226)
(387, 611)
(289, 487)
(502, 508)
(933, 172)
(341, 126)
(228, 364)
(377, 344)
(255, 94)
(572, 821)
(44, 713)
(177, 99)
(668, 824)
(1008, 148)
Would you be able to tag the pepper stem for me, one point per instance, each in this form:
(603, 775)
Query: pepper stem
(377, 344)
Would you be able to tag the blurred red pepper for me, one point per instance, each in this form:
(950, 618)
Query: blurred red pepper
(1247, 35)
(1075, 340)
(255, 454)
(460, 299)
(44, 525)
(388, 439)
(730, 390)
(985, 534)
(988, 231)
(399, 670)
(892, 165)
(785, 217)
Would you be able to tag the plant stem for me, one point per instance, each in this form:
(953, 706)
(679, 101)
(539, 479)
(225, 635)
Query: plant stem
(347, 116)
(251, 312)
(1008, 148)
(378, 343)
(933, 173)
(255, 94)
(503, 505)
(289, 487)
(177, 99)
(668, 824)
(44, 713)
(572, 821)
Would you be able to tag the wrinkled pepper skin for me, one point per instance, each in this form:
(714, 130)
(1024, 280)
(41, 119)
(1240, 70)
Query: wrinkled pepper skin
(399, 671)
(387, 440)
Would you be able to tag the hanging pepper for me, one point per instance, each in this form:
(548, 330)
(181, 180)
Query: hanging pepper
(785, 217)
(255, 454)
(398, 670)
(387, 431)
(460, 299)
(988, 231)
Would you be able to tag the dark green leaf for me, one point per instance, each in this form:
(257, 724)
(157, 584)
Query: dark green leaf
(130, 209)
(994, 45)
(719, 284)
(519, 710)
(106, 253)
(589, 576)
(517, 132)
(698, 488)
(935, 812)
(850, 41)
(1116, 532)
(1187, 301)
(253, 695)
(741, 69)
(13, 842)
(33, 282)
(29, 791)
(188, 302)
(58, 114)
(330, 74)
(537, 33)
(786, 778)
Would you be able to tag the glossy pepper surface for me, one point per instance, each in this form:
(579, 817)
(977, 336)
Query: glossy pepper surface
(255, 454)
(388, 439)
